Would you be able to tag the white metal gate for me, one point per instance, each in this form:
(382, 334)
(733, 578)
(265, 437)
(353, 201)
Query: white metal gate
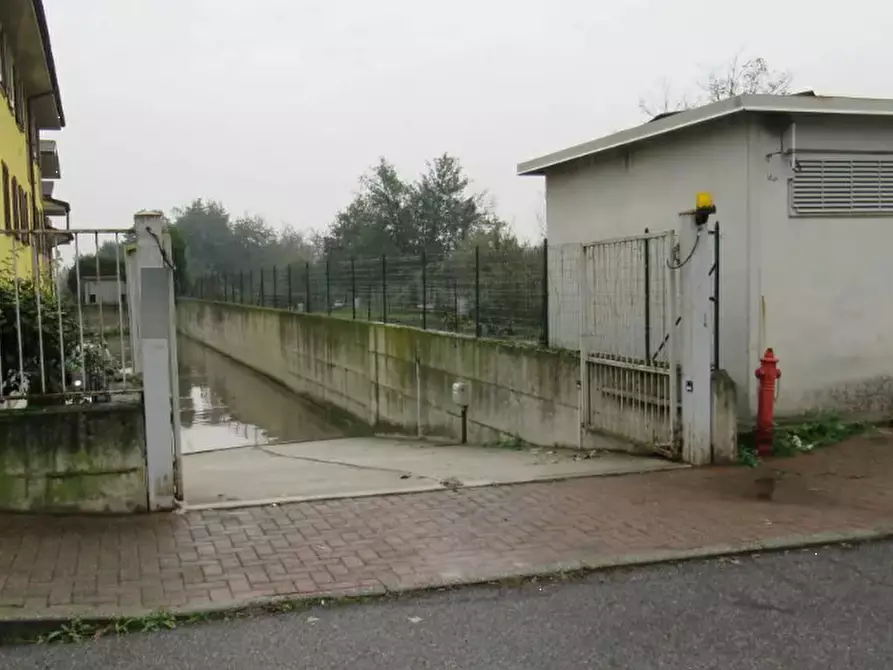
(629, 354)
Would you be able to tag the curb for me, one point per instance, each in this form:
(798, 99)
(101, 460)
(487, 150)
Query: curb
(429, 488)
(11, 628)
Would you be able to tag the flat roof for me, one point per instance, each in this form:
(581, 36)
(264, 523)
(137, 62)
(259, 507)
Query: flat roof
(772, 104)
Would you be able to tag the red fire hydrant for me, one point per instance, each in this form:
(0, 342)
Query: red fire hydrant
(768, 374)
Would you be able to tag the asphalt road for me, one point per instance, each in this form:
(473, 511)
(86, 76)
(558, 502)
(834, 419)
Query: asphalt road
(821, 608)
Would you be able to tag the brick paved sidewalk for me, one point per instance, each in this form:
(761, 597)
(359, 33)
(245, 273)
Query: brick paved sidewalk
(201, 560)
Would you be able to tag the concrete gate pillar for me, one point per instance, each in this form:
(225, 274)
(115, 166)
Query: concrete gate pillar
(158, 358)
(695, 261)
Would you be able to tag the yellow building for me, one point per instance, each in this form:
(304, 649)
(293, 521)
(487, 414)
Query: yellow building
(29, 103)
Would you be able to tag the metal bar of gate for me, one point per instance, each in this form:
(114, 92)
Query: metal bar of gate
(647, 259)
(672, 351)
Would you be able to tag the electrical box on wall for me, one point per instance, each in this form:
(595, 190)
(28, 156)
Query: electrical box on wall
(461, 393)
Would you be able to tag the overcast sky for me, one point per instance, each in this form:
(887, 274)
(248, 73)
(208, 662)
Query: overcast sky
(275, 107)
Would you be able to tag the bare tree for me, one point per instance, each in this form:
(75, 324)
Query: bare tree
(540, 214)
(666, 101)
(737, 77)
(751, 76)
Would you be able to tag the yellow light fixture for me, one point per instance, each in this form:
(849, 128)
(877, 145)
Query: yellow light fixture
(704, 201)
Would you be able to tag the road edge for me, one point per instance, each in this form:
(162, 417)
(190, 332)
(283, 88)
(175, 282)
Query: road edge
(25, 629)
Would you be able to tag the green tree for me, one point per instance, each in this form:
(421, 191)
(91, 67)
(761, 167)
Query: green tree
(444, 212)
(207, 236)
(377, 221)
(389, 216)
(180, 259)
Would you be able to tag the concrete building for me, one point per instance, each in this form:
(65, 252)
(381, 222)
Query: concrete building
(804, 190)
(30, 91)
(104, 291)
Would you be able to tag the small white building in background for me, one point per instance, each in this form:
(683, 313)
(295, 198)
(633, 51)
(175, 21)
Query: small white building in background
(105, 290)
(804, 191)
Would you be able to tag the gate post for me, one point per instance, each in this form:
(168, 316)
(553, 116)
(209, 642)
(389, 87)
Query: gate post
(158, 352)
(132, 279)
(694, 262)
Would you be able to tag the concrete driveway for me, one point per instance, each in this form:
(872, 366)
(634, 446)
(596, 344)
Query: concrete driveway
(362, 466)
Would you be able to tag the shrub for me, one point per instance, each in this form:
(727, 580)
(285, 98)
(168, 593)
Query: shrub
(34, 319)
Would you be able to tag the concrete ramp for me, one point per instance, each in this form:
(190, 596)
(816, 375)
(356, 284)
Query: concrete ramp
(362, 466)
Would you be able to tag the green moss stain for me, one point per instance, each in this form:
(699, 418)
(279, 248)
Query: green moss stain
(66, 457)
(336, 352)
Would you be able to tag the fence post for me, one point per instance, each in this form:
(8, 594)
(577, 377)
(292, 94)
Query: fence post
(544, 337)
(158, 355)
(384, 288)
(241, 287)
(275, 287)
(307, 286)
(353, 288)
(697, 341)
(288, 285)
(225, 287)
(716, 249)
(329, 285)
(477, 290)
(251, 287)
(424, 290)
(262, 288)
(645, 241)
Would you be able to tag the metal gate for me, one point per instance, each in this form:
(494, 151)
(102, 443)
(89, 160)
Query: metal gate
(629, 354)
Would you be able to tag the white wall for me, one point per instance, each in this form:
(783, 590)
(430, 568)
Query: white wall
(824, 283)
(105, 290)
(621, 194)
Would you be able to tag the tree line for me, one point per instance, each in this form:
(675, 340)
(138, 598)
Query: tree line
(401, 248)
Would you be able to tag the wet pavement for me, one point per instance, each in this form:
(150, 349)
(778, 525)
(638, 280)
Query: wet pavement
(224, 405)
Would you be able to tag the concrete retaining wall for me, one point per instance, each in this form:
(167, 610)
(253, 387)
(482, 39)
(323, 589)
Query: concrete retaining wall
(398, 378)
(78, 458)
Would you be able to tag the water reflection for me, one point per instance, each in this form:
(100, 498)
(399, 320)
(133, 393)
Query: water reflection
(224, 404)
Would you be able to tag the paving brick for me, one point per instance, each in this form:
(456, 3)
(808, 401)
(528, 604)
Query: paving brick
(346, 546)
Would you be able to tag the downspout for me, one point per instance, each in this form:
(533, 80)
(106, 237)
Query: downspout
(35, 141)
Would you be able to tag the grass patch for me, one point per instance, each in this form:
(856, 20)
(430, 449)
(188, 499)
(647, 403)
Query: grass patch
(819, 430)
(78, 630)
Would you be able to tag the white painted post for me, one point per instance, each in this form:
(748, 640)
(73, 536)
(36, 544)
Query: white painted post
(132, 279)
(155, 278)
(697, 340)
(583, 320)
(174, 370)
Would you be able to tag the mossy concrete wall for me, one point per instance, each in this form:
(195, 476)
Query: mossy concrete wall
(399, 378)
(75, 458)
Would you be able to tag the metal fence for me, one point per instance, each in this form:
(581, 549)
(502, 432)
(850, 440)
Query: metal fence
(627, 298)
(629, 307)
(499, 293)
(63, 317)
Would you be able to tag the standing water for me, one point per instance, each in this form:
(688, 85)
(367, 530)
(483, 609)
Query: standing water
(224, 404)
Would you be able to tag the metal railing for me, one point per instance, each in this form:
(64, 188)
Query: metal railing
(64, 317)
(498, 293)
(628, 314)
